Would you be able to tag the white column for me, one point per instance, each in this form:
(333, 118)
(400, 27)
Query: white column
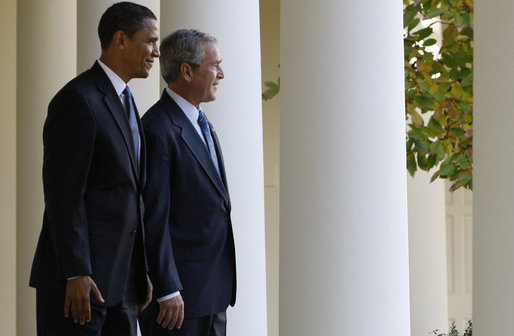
(8, 168)
(344, 267)
(46, 61)
(493, 210)
(145, 90)
(270, 53)
(237, 116)
(427, 254)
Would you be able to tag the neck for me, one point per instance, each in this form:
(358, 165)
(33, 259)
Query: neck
(184, 93)
(113, 64)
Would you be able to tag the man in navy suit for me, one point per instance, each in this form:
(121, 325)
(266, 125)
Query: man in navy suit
(187, 218)
(90, 267)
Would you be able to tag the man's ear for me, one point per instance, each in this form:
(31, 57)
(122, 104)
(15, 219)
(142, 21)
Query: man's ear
(119, 39)
(186, 71)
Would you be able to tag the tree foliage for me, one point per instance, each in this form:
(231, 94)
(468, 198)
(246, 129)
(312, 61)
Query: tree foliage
(439, 88)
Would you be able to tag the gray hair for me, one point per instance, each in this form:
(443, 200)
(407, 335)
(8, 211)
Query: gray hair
(182, 46)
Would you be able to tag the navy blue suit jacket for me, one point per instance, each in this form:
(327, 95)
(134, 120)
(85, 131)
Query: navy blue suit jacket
(187, 219)
(92, 224)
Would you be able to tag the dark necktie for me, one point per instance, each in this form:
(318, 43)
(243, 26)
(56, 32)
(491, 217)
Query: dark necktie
(204, 125)
(131, 114)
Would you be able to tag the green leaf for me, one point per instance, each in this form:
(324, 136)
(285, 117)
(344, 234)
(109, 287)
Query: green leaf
(411, 164)
(413, 24)
(445, 87)
(424, 102)
(429, 42)
(447, 168)
(435, 13)
(417, 120)
(272, 91)
(468, 80)
(465, 162)
(435, 126)
(458, 19)
(463, 106)
(420, 145)
(422, 162)
(438, 149)
(439, 97)
(408, 16)
(424, 85)
(435, 176)
(425, 32)
(458, 132)
(464, 180)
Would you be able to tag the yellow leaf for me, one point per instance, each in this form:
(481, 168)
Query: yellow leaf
(417, 120)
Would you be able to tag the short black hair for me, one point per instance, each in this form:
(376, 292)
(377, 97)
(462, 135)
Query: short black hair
(125, 16)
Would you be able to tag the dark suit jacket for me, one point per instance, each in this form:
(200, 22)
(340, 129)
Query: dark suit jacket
(92, 224)
(188, 226)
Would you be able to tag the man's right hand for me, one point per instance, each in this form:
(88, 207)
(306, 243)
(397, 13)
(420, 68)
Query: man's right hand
(171, 313)
(78, 298)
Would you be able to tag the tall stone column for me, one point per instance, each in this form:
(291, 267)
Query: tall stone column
(8, 168)
(427, 254)
(46, 60)
(237, 117)
(344, 267)
(145, 90)
(493, 212)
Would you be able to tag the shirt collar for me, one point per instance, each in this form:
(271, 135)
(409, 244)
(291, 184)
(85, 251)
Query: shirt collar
(189, 109)
(117, 82)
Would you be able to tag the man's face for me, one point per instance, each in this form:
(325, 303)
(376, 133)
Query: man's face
(206, 77)
(141, 49)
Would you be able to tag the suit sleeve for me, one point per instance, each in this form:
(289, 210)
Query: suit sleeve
(68, 137)
(157, 198)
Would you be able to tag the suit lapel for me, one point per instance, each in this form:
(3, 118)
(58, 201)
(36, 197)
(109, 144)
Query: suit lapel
(117, 111)
(196, 145)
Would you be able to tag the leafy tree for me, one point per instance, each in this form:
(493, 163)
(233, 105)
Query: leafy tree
(439, 88)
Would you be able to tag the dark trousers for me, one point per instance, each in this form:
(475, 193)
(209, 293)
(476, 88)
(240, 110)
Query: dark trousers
(120, 320)
(211, 325)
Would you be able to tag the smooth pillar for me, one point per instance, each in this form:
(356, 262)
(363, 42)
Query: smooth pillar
(8, 169)
(427, 254)
(493, 213)
(344, 267)
(237, 117)
(46, 61)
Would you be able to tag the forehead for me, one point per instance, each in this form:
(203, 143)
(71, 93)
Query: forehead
(212, 51)
(150, 27)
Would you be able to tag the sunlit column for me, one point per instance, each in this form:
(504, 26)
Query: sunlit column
(493, 210)
(46, 60)
(344, 267)
(237, 116)
(427, 254)
(8, 168)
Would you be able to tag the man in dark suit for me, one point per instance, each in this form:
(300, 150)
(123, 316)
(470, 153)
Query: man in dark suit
(90, 267)
(187, 219)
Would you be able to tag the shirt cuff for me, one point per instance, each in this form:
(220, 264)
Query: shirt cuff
(167, 297)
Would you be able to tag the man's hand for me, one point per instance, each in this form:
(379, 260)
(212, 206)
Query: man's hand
(78, 298)
(148, 299)
(171, 313)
